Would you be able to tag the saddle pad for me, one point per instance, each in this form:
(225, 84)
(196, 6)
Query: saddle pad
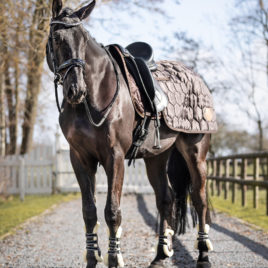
(190, 105)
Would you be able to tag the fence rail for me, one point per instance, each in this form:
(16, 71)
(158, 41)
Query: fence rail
(225, 173)
(135, 179)
(42, 172)
(27, 174)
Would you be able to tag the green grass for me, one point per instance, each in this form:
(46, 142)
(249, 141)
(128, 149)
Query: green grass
(13, 212)
(249, 214)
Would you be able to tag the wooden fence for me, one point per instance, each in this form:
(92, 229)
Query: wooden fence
(225, 173)
(27, 174)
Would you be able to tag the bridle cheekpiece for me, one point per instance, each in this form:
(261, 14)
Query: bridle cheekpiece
(71, 63)
(68, 64)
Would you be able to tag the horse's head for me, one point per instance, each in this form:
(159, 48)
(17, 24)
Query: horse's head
(66, 49)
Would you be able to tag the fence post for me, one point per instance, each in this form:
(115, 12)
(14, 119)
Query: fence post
(214, 174)
(256, 177)
(220, 175)
(22, 178)
(235, 176)
(266, 201)
(55, 182)
(227, 175)
(244, 177)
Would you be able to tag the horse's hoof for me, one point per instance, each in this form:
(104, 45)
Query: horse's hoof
(158, 264)
(203, 264)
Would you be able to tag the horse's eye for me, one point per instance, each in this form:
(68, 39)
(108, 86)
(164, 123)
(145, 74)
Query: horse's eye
(56, 39)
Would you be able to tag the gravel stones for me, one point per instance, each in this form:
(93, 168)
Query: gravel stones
(56, 239)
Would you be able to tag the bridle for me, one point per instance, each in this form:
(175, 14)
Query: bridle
(76, 62)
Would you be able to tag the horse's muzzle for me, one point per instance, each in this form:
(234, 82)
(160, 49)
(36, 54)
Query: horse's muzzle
(75, 94)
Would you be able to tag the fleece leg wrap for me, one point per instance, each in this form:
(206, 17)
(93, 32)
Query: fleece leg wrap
(114, 249)
(165, 242)
(202, 242)
(92, 243)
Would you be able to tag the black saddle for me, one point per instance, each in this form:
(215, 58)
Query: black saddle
(143, 51)
(140, 63)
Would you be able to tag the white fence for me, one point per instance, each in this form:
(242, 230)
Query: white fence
(41, 172)
(135, 179)
(28, 174)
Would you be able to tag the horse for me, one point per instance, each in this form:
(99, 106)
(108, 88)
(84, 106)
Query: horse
(97, 117)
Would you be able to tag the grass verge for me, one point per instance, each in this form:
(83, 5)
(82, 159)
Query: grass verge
(249, 214)
(13, 212)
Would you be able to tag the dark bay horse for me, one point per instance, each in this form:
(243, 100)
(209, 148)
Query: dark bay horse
(97, 118)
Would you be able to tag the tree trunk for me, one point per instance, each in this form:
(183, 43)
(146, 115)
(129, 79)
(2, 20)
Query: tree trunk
(17, 88)
(38, 35)
(2, 118)
(8, 89)
(2, 94)
(260, 129)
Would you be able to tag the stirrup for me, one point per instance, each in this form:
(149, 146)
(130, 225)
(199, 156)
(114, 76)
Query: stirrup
(157, 144)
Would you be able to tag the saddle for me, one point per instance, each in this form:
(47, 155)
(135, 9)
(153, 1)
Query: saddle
(137, 59)
(144, 51)
(140, 63)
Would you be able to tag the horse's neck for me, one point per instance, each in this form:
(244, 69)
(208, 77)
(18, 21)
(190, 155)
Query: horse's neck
(100, 77)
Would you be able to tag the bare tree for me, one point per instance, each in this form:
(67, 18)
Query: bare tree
(250, 36)
(36, 53)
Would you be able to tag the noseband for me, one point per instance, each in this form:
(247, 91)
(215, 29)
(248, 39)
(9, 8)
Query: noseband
(71, 63)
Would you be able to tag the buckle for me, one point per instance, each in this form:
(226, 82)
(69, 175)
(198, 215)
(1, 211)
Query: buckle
(58, 79)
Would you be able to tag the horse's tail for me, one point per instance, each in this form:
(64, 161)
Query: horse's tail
(180, 181)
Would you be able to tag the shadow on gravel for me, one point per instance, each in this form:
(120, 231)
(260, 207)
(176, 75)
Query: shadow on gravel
(250, 244)
(181, 256)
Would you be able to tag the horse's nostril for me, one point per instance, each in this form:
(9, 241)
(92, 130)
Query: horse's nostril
(75, 94)
(72, 91)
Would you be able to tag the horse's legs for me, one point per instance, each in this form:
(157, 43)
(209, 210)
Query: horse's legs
(114, 167)
(157, 174)
(194, 149)
(86, 180)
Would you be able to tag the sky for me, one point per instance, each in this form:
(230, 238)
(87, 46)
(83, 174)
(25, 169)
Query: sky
(200, 19)
(205, 21)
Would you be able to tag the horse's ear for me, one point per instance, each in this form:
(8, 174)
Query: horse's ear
(56, 8)
(85, 11)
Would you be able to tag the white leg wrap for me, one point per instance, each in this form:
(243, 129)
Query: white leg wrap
(120, 260)
(98, 256)
(208, 242)
(167, 248)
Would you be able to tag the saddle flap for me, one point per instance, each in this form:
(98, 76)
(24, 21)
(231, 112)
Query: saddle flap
(143, 77)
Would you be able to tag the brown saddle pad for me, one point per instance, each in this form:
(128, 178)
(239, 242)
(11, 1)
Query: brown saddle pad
(190, 105)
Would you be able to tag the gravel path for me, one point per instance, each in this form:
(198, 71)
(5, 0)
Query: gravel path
(56, 239)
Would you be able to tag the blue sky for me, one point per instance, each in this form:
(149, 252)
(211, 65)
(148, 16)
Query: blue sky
(204, 20)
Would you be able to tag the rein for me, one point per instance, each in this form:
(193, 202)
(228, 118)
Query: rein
(71, 63)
